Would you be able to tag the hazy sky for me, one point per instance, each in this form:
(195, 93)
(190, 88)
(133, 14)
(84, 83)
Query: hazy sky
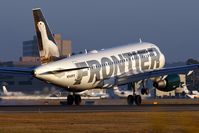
(173, 25)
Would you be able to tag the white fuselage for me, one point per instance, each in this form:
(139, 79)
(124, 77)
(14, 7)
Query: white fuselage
(102, 66)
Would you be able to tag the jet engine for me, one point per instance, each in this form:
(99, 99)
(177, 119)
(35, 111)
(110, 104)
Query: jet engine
(170, 83)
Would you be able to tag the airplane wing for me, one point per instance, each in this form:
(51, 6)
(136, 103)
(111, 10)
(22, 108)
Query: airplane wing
(30, 71)
(16, 70)
(130, 77)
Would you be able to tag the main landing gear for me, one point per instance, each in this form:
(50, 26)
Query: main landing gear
(134, 99)
(131, 99)
(72, 99)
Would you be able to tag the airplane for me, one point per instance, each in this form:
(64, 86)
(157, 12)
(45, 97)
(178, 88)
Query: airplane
(193, 95)
(6, 93)
(106, 68)
(126, 93)
(20, 95)
(91, 93)
(121, 93)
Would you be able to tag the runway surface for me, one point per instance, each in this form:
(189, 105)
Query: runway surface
(98, 108)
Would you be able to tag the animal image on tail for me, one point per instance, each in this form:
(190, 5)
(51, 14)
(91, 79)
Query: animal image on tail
(48, 49)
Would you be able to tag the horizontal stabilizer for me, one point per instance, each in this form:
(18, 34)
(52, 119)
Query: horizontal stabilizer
(17, 70)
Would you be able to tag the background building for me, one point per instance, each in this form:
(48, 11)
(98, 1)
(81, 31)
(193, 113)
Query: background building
(64, 46)
(30, 48)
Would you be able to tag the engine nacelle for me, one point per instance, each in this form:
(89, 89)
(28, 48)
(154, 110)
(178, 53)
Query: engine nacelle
(170, 83)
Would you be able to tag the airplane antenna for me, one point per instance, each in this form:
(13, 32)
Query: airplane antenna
(140, 40)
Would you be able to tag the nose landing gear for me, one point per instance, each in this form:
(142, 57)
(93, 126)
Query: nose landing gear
(73, 99)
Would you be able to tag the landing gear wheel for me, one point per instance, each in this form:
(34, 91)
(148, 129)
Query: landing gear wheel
(70, 100)
(138, 100)
(130, 100)
(77, 99)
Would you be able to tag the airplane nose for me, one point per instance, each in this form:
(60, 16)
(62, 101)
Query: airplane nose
(37, 71)
(33, 72)
(162, 60)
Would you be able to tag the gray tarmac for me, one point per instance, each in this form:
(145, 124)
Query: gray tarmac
(97, 108)
(101, 105)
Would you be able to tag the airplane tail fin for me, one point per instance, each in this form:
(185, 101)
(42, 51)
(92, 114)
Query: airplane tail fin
(5, 91)
(48, 50)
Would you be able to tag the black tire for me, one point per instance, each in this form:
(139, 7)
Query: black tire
(130, 100)
(70, 100)
(138, 100)
(77, 99)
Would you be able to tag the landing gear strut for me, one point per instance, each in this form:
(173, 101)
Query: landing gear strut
(144, 90)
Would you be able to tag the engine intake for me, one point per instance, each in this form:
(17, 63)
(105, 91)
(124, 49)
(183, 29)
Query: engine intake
(170, 83)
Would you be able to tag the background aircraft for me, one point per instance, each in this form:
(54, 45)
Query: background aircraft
(6, 93)
(193, 94)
